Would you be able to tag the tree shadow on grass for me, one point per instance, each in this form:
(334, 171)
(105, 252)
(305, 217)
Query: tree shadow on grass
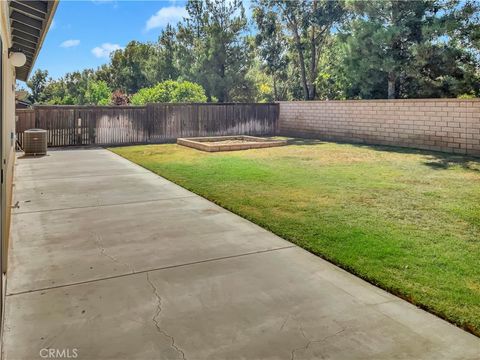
(300, 141)
(435, 160)
(445, 162)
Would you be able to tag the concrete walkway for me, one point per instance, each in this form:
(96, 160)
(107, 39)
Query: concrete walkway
(110, 261)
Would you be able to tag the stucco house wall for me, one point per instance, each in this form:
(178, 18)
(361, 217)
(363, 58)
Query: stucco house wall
(8, 128)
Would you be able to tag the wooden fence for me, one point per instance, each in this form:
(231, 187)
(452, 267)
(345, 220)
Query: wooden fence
(153, 123)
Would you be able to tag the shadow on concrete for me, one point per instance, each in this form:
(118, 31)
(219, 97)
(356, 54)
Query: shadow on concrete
(24, 156)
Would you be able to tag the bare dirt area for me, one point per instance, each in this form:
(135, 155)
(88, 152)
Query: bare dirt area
(229, 143)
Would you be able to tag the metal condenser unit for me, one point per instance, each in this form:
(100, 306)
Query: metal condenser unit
(35, 142)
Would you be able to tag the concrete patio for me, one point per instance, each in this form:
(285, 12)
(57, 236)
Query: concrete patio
(115, 262)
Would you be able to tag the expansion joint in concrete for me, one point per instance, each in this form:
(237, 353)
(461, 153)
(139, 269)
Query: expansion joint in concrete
(101, 205)
(150, 270)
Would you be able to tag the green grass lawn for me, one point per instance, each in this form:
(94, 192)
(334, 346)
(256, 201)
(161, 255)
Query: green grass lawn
(405, 220)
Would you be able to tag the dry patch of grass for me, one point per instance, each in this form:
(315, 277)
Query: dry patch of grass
(408, 221)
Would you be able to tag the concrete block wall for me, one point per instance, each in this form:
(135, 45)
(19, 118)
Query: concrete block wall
(450, 125)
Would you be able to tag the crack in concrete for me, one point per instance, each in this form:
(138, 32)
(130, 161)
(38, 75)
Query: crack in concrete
(310, 341)
(155, 321)
(285, 322)
(103, 252)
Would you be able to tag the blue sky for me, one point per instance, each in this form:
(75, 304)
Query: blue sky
(84, 32)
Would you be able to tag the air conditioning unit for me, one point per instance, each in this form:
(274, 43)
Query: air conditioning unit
(35, 142)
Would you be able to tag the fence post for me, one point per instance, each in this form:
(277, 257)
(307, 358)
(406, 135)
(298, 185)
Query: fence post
(92, 125)
(37, 120)
(76, 137)
(276, 124)
(148, 126)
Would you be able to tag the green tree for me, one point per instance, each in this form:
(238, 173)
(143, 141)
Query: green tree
(405, 49)
(332, 82)
(380, 45)
(170, 91)
(55, 94)
(70, 89)
(105, 73)
(308, 24)
(262, 85)
(462, 23)
(214, 50)
(129, 67)
(310, 49)
(441, 70)
(37, 85)
(272, 46)
(163, 64)
(76, 84)
(98, 93)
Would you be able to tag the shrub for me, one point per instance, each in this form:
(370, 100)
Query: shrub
(170, 92)
(119, 98)
(98, 93)
(470, 95)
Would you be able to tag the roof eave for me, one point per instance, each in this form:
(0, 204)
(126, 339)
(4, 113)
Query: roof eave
(49, 18)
